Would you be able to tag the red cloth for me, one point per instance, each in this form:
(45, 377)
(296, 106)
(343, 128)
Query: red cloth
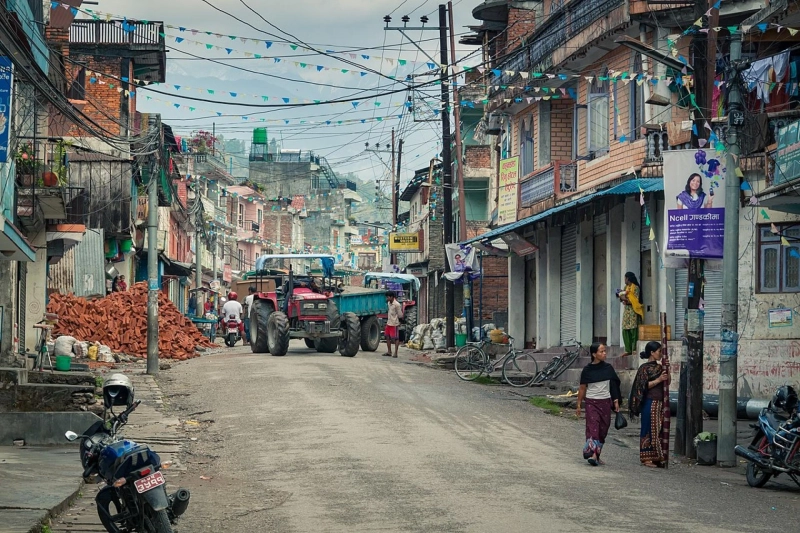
(391, 332)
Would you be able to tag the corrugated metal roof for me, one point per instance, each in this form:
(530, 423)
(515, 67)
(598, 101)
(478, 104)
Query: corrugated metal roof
(628, 187)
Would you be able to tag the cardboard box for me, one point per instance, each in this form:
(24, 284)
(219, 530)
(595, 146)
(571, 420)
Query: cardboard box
(262, 284)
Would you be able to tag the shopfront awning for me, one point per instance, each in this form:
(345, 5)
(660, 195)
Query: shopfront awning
(625, 188)
(13, 244)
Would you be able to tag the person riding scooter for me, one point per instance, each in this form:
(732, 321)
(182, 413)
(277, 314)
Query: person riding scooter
(232, 307)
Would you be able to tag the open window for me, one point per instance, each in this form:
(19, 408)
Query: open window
(598, 115)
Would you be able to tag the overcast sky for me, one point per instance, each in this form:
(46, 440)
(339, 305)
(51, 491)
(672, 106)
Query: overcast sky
(352, 25)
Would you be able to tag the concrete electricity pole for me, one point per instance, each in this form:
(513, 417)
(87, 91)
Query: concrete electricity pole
(152, 272)
(726, 434)
(447, 180)
(462, 201)
(198, 273)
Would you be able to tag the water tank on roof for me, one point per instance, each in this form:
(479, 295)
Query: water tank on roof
(260, 136)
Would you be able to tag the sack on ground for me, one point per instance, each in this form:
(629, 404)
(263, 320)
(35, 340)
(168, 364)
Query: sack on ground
(63, 345)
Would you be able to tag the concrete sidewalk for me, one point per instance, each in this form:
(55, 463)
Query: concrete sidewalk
(39, 483)
(36, 484)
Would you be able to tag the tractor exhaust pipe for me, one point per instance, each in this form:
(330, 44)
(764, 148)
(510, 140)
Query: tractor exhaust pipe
(179, 502)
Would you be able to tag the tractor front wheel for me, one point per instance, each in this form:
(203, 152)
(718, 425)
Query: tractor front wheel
(278, 333)
(259, 316)
(351, 335)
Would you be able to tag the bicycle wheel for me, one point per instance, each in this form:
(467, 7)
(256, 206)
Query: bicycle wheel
(470, 362)
(520, 369)
(547, 371)
(566, 361)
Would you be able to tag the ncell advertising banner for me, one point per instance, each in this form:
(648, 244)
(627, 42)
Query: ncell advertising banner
(507, 201)
(694, 200)
(5, 106)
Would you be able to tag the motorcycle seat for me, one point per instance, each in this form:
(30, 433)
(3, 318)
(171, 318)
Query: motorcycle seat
(774, 419)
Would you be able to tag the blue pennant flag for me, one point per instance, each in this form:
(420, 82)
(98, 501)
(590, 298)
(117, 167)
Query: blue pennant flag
(268, 43)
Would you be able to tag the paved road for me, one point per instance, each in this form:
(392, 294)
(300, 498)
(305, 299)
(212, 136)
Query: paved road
(316, 443)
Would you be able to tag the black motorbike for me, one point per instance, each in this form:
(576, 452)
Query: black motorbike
(132, 473)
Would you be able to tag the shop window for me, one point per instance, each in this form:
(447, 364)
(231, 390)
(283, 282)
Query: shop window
(779, 265)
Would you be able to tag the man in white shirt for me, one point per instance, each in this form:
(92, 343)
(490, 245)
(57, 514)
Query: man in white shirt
(232, 307)
(248, 306)
(394, 318)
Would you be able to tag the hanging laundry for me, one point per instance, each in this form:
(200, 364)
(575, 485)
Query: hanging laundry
(759, 76)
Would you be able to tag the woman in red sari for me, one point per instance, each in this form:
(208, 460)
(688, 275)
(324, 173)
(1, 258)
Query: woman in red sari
(647, 401)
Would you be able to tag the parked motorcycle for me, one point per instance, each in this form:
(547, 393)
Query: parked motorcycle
(232, 335)
(131, 471)
(776, 440)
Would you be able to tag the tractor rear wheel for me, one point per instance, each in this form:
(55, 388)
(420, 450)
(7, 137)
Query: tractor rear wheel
(351, 335)
(259, 316)
(411, 321)
(370, 334)
(278, 333)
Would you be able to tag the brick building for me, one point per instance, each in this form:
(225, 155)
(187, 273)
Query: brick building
(590, 121)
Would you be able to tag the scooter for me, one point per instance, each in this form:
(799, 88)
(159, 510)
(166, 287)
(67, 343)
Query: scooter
(132, 473)
(776, 440)
(232, 335)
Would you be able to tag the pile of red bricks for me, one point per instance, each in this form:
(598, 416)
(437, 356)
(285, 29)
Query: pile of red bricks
(120, 322)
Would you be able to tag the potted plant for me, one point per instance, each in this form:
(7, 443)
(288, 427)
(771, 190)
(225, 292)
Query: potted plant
(26, 163)
(58, 177)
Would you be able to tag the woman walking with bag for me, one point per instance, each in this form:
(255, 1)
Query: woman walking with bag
(647, 400)
(600, 388)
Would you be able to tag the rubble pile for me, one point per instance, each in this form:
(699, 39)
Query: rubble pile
(119, 321)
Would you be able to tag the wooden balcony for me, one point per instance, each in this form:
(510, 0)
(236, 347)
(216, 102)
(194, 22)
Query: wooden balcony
(539, 190)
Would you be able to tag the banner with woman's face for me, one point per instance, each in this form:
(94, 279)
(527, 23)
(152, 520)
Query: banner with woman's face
(694, 199)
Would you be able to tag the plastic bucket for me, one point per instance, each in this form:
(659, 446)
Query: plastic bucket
(461, 339)
(63, 362)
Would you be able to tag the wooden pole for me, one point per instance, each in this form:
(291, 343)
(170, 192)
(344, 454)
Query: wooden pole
(665, 366)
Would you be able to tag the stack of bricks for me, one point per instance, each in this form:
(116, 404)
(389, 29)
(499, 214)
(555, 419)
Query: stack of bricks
(120, 322)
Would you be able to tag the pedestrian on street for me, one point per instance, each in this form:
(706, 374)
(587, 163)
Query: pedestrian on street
(647, 401)
(248, 305)
(121, 285)
(600, 387)
(115, 284)
(632, 312)
(393, 320)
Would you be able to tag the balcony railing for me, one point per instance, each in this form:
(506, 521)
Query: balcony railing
(559, 178)
(116, 32)
(561, 26)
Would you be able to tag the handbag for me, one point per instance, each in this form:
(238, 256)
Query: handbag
(619, 421)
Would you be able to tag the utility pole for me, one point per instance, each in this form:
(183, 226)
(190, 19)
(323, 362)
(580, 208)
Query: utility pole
(198, 272)
(393, 256)
(462, 209)
(447, 179)
(690, 392)
(152, 272)
(726, 439)
(397, 181)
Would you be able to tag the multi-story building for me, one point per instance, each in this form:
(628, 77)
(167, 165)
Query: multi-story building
(589, 120)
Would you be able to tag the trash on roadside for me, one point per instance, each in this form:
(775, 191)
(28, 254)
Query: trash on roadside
(205, 478)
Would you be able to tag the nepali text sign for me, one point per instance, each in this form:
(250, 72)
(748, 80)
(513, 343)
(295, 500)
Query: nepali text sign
(507, 201)
(226, 273)
(694, 209)
(5, 106)
(787, 155)
(405, 242)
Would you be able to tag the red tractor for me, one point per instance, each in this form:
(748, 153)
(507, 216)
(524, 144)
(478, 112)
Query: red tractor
(301, 308)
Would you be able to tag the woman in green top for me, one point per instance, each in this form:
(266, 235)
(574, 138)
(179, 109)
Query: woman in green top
(632, 313)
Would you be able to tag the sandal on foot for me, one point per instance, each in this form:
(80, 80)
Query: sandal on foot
(387, 354)
(592, 461)
(650, 465)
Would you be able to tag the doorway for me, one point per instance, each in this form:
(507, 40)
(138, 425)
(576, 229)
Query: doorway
(530, 302)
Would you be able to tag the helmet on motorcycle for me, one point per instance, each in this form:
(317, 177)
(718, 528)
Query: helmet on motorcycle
(785, 398)
(117, 390)
(233, 296)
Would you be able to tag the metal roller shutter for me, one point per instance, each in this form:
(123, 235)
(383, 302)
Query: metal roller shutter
(681, 279)
(712, 320)
(569, 302)
(22, 307)
(600, 222)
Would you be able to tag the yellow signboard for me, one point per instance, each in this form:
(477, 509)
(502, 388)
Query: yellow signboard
(405, 242)
(507, 201)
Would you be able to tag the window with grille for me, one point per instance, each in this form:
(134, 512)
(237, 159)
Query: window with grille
(597, 120)
(779, 265)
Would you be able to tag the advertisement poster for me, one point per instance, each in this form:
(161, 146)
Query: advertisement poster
(507, 202)
(5, 106)
(787, 156)
(694, 204)
(780, 318)
(518, 245)
(405, 242)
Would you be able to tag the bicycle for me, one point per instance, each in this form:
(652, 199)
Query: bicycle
(559, 363)
(518, 368)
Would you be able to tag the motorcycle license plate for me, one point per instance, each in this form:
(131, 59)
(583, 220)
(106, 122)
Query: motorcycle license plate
(149, 483)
